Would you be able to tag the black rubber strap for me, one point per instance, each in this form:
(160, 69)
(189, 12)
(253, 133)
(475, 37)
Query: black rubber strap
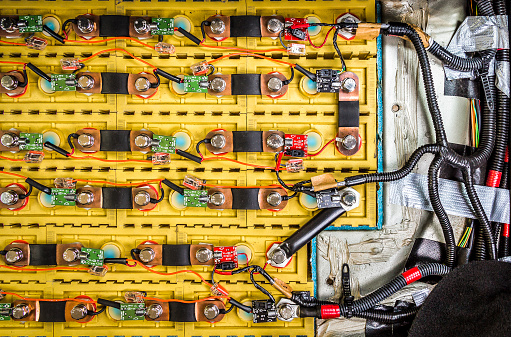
(115, 140)
(246, 84)
(114, 83)
(43, 255)
(245, 198)
(176, 255)
(349, 113)
(247, 141)
(246, 26)
(52, 311)
(117, 198)
(114, 25)
(182, 312)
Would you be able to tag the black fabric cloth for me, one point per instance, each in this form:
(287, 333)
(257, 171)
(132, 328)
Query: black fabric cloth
(473, 300)
(378, 329)
(463, 87)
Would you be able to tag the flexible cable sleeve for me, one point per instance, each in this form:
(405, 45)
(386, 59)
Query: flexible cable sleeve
(388, 317)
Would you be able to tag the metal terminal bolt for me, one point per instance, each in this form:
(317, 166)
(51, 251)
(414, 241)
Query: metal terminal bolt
(85, 82)
(9, 82)
(275, 84)
(71, 255)
(349, 142)
(211, 311)
(9, 197)
(146, 255)
(143, 141)
(274, 141)
(85, 198)
(85, 25)
(217, 198)
(79, 312)
(13, 255)
(203, 255)
(349, 198)
(8, 24)
(274, 25)
(274, 199)
(217, 26)
(286, 312)
(142, 198)
(85, 140)
(218, 141)
(154, 311)
(141, 26)
(278, 256)
(20, 311)
(142, 84)
(349, 84)
(9, 139)
(218, 84)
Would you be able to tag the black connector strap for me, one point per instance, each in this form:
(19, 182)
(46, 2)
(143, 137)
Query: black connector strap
(247, 141)
(114, 83)
(246, 84)
(245, 198)
(349, 114)
(245, 26)
(115, 140)
(117, 198)
(43, 255)
(114, 25)
(176, 255)
(182, 312)
(52, 311)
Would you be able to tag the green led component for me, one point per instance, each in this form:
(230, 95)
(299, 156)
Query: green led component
(3, 308)
(166, 144)
(33, 23)
(34, 141)
(95, 257)
(132, 311)
(191, 198)
(58, 82)
(196, 84)
(165, 26)
(58, 196)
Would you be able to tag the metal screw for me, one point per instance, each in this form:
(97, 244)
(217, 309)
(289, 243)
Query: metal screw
(278, 256)
(142, 198)
(218, 141)
(142, 84)
(85, 140)
(274, 199)
(348, 84)
(85, 25)
(14, 255)
(275, 84)
(396, 108)
(9, 139)
(79, 312)
(85, 82)
(143, 140)
(218, 84)
(349, 198)
(9, 82)
(349, 142)
(211, 311)
(85, 198)
(274, 141)
(20, 311)
(217, 199)
(217, 26)
(204, 255)
(286, 312)
(274, 25)
(141, 26)
(71, 254)
(9, 197)
(146, 255)
(8, 24)
(154, 311)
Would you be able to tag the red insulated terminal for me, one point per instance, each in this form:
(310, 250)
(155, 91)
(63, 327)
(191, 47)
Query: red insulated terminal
(300, 26)
(330, 311)
(412, 275)
(505, 230)
(493, 179)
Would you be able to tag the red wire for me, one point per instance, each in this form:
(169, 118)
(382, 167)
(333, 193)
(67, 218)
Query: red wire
(326, 37)
(317, 153)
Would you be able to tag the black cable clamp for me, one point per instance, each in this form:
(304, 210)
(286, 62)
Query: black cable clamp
(346, 290)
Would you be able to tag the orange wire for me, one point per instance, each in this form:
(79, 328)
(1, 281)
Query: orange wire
(12, 62)
(116, 49)
(182, 301)
(254, 55)
(112, 160)
(47, 300)
(41, 269)
(223, 186)
(117, 184)
(238, 162)
(111, 39)
(10, 159)
(13, 43)
(14, 174)
(245, 50)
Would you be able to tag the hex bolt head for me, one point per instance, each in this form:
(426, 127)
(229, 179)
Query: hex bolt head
(85, 25)
(143, 140)
(85, 198)
(146, 255)
(142, 198)
(349, 198)
(13, 255)
(141, 26)
(348, 84)
(218, 141)
(154, 311)
(218, 84)
(275, 84)
(9, 139)
(286, 312)
(274, 141)
(9, 197)
(20, 311)
(217, 198)
(9, 82)
(85, 82)
(217, 26)
(211, 311)
(8, 24)
(85, 140)
(142, 84)
(349, 142)
(79, 312)
(203, 255)
(278, 256)
(274, 199)
(274, 25)
(71, 255)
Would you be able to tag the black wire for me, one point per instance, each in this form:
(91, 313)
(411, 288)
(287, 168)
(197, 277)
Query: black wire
(198, 145)
(334, 41)
(162, 195)
(286, 82)
(225, 312)
(26, 195)
(73, 135)
(202, 24)
(212, 67)
(264, 291)
(280, 39)
(3, 252)
(95, 313)
(66, 23)
(157, 84)
(237, 304)
(133, 252)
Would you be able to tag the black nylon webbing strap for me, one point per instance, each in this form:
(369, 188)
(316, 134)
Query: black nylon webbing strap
(349, 114)
(247, 141)
(114, 25)
(52, 311)
(43, 255)
(182, 312)
(114, 83)
(115, 140)
(117, 198)
(245, 198)
(246, 84)
(246, 26)
(176, 255)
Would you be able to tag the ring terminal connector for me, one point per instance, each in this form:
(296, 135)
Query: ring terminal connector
(287, 310)
(217, 84)
(217, 26)
(218, 141)
(277, 256)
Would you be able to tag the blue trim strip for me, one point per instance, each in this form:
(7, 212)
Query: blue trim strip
(379, 136)
(314, 264)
